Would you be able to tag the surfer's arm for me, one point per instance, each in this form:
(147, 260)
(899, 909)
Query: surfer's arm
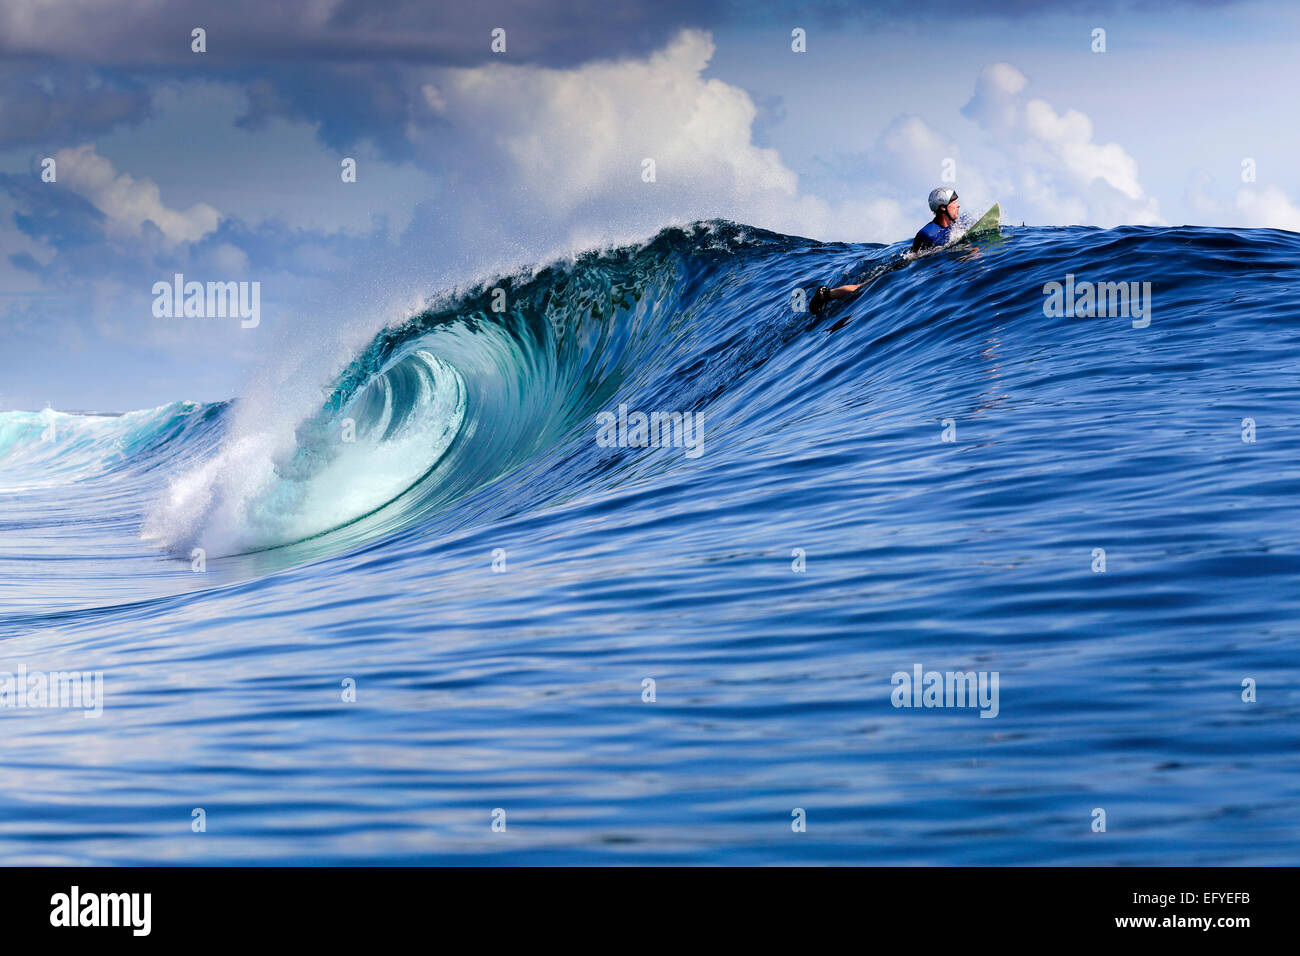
(824, 294)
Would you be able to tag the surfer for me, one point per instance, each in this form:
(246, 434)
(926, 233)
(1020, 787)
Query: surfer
(946, 209)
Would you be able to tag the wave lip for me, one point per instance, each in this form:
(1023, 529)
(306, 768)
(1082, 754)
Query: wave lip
(439, 406)
(260, 491)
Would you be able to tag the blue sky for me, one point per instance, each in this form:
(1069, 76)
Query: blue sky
(225, 165)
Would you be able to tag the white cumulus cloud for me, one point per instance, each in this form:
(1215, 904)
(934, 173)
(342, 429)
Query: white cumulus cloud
(566, 151)
(126, 202)
(993, 104)
(1268, 207)
(1058, 166)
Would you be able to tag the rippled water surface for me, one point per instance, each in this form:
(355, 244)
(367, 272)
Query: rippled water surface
(500, 586)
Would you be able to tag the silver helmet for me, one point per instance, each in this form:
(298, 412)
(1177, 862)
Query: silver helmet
(941, 197)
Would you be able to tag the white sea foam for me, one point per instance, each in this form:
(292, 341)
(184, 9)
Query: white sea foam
(288, 472)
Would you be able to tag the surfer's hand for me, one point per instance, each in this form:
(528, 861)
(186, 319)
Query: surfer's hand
(819, 300)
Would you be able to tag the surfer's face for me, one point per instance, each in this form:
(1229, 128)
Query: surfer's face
(952, 209)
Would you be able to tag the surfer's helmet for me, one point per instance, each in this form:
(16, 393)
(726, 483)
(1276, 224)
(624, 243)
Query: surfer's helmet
(941, 197)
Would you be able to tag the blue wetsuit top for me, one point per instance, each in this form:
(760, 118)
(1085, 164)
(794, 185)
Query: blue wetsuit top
(931, 234)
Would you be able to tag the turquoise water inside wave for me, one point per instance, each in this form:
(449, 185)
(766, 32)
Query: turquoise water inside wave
(680, 654)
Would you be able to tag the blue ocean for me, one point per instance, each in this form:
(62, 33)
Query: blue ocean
(631, 559)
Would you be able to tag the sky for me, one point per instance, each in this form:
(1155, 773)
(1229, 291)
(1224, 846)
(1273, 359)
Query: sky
(831, 120)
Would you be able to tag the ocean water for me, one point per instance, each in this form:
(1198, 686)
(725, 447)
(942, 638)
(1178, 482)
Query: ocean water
(935, 474)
